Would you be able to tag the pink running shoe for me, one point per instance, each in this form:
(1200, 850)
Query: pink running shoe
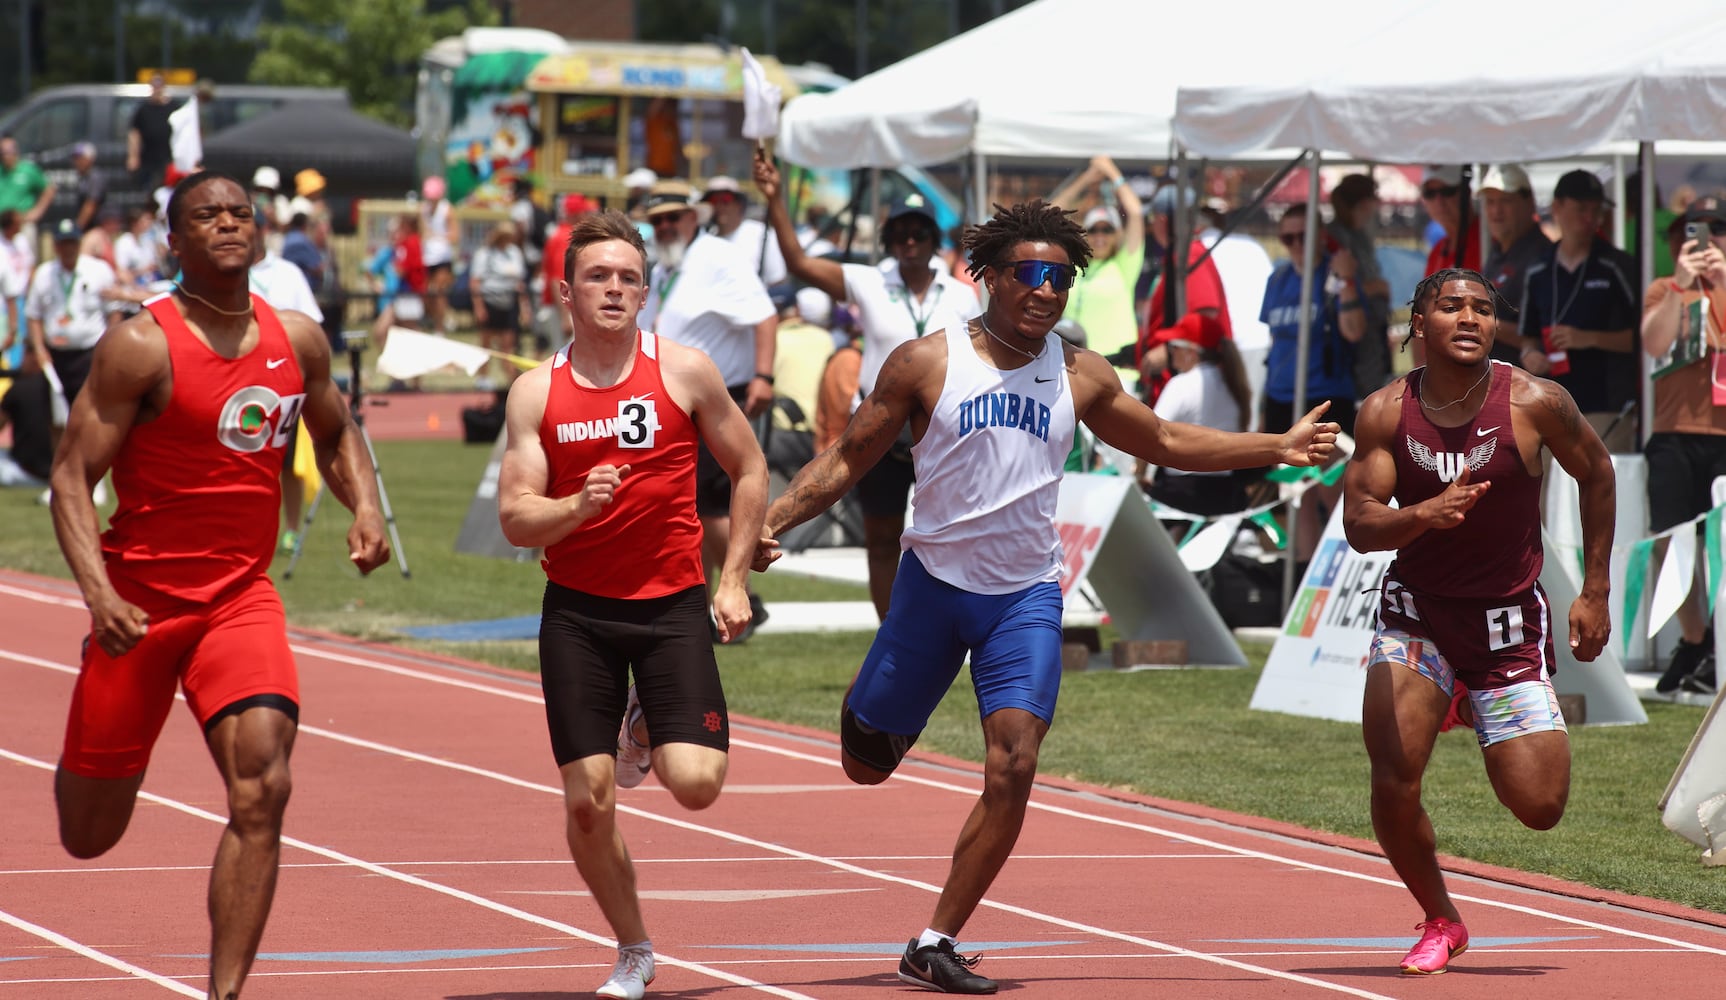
(1440, 941)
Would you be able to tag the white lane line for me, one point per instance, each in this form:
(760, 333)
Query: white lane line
(416, 881)
(564, 862)
(56, 938)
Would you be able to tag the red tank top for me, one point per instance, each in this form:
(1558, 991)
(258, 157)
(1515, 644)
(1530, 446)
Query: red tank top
(647, 542)
(199, 487)
(1497, 549)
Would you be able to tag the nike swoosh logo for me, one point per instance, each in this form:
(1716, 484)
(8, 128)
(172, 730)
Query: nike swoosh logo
(1518, 672)
(1039, 380)
(277, 363)
(1481, 432)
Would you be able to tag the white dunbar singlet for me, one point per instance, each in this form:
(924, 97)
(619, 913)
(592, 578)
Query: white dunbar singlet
(989, 471)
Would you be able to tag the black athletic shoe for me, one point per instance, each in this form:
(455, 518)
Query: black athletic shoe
(940, 968)
(1685, 661)
(1701, 680)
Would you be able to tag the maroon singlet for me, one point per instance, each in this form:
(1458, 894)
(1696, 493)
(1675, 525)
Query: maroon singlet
(1496, 550)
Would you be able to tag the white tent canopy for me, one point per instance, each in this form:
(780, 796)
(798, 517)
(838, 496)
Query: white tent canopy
(1421, 84)
(1056, 79)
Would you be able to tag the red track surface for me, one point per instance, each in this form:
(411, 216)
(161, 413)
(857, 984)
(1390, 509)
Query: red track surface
(426, 860)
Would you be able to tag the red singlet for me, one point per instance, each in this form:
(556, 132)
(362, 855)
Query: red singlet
(647, 542)
(199, 487)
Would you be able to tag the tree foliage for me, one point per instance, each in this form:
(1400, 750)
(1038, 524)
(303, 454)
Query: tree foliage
(823, 31)
(370, 47)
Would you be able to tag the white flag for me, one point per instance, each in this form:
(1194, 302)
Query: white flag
(186, 140)
(410, 354)
(760, 101)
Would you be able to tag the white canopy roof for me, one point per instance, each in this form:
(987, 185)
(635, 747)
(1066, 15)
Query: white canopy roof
(1058, 79)
(1420, 81)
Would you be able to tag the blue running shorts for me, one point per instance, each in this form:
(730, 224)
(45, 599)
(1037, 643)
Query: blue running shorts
(1014, 641)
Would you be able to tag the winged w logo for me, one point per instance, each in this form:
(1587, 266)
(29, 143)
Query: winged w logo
(1448, 464)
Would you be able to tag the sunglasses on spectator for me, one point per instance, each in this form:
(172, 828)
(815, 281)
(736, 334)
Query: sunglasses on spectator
(721, 199)
(667, 219)
(1291, 239)
(1032, 273)
(1445, 191)
(1717, 227)
(1101, 230)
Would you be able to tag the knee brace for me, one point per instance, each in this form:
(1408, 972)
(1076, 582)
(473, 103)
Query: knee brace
(879, 750)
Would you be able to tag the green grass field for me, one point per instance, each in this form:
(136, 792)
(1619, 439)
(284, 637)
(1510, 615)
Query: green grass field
(1179, 734)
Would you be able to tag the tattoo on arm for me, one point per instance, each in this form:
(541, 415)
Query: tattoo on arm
(1563, 409)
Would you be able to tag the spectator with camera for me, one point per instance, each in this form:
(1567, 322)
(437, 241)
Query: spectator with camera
(1682, 331)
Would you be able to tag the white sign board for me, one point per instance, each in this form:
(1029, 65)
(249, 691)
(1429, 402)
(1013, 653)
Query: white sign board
(1113, 542)
(1318, 666)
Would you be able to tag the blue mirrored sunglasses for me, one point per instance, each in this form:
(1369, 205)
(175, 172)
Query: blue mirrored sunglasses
(1032, 273)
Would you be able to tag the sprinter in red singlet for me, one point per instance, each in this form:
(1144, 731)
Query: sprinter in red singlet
(599, 471)
(1462, 617)
(191, 403)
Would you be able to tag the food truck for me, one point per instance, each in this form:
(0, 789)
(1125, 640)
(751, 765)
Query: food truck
(577, 116)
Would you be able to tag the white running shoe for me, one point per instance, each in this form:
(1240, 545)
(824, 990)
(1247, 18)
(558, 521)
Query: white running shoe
(634, 758)
(630, 976)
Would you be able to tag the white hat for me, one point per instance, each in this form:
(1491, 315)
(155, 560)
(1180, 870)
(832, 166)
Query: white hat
(1100, 215)
(267, 177)
(1506, 177)
(719, 183)
(1449, 175)
(640, 177)
(814, 305)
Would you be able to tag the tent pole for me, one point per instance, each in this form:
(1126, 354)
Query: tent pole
(1303, 351)
(979, 186)
(875, 215)
(1175, 257)
(1645, 237)
(1620, 211)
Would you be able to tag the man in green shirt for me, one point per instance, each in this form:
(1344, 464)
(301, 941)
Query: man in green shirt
(1101, 301)
(23, 187)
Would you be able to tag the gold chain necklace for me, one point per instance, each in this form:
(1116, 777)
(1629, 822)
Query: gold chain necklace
(1018, 350)
(1458, 399)
(225, 312)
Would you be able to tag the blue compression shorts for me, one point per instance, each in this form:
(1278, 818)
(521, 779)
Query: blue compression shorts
(1014, 641)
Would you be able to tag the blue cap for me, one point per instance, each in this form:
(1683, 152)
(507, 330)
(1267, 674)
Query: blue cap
(912, 204)
(67, 229)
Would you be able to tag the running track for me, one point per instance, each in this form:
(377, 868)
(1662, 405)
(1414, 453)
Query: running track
(425, 860)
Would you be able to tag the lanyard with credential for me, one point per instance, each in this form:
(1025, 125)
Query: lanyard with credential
(1575, 290)
(921, 322)
(67, 283)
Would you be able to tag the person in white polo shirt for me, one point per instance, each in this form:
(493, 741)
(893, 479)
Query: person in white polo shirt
(66, 312)
(904, 299)
(704, 293)
(725, 197)
(65, 309)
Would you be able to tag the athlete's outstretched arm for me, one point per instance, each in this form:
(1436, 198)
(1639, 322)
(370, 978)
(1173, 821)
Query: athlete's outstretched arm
(130, 363)
(866, 437)
(1577, 448)
(1368, 519)
(343, 459)
(1124, 422)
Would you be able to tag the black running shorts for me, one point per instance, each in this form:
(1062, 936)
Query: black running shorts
(588, 647)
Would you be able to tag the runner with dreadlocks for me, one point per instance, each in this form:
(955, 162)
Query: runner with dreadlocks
(1462, 618)
(992, 404)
